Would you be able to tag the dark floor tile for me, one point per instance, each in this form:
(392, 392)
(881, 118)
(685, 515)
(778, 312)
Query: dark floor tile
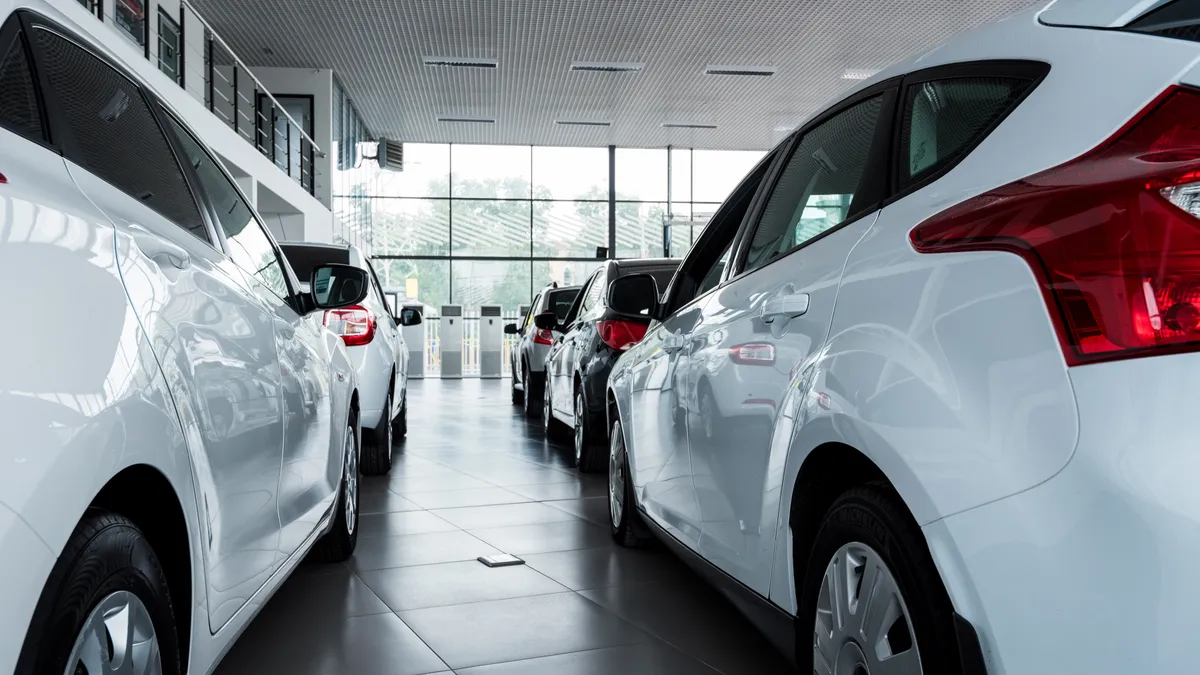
(593, 509)
(384, 502)
(522, 628)
(417, 549)
(366, 645)
(457, 583)
(408, 522)
(337, 594)
(449, 499)
(608, 566)
(689, 615)
(651, 658)
(545, 537)
(578, 489)
(504, 515)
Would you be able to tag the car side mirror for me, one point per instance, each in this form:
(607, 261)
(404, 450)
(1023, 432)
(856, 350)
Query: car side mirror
(511, 329)
(546, 321)
(334, 285)
(409, 317)
(634, 295)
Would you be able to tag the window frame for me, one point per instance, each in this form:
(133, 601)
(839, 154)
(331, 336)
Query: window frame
(158, 56)
(1034, 72)
(17, 28)
(869, 199)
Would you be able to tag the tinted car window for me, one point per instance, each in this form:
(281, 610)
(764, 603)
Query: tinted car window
(304, 258)
(18, 98)
(816, 190)
(248, 245)
(115, 134)
(560, 302)
(662, 275)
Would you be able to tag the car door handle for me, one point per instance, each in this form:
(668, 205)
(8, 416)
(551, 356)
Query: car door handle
(785, 307)
(159, 249)
(672, 342)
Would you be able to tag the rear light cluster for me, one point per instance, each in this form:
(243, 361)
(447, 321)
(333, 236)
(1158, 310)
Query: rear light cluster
(621, 335)
(542, 337)
(356, 324)
(1113, 236)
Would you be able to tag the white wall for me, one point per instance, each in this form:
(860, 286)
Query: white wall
(242, 158)
(319, 85)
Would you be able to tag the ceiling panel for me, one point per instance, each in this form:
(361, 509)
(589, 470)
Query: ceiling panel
(375, 47)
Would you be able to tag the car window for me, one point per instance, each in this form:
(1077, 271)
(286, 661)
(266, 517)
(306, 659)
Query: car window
(115, 134)
(534, 308)
(594, 291)
(248, 245)
(816, 189)
(18, 98)
(713, 276)
(560, 302)
(944, 119)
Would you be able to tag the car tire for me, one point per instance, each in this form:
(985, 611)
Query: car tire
(590, 455)
(518, 396)
(400, 424)
(625, 523)
(107, 567)
(377, 444)
(338, 544)
(554, 429)
(533, 399)
(867, 532)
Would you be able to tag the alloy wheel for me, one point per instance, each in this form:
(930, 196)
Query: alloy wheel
(862, 625)
(616, 479)
(579, 437)
(351, 478)
(117, 637)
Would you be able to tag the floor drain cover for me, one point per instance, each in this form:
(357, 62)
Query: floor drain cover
(500, 560)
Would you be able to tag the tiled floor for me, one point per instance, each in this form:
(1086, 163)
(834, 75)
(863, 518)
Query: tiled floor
(474, 478)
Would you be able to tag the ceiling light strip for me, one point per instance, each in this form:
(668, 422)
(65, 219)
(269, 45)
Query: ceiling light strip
(741, 71)
(606, 67)
(458, 62)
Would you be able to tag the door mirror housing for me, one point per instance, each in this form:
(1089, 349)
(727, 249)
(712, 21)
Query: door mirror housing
(511, 329)
(635, 295)
(546, 321)
(334, 285)
(409, 317)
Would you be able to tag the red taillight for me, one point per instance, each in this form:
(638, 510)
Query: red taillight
(542, 337)
(753, 354)
(1113, 237)
(621, 335)
(356, 324)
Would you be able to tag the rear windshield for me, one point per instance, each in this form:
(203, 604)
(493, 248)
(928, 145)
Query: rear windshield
(304, 258)
(560, 301)
(662, 275)
(1179, 19)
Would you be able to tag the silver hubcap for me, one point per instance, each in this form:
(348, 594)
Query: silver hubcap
(351, 471)
(118, 637)
(578, 427)
(616, 478)
(862, 625)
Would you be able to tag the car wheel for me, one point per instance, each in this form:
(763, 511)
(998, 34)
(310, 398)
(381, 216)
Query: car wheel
(588, 457)
(872, 599)
(625, 523)
(550, 425)
(106, 607)
(400, 424)
(338, 544)
(377, 444)
(534, 399)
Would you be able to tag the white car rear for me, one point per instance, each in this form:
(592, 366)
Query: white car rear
(951, 353)
(532, 344)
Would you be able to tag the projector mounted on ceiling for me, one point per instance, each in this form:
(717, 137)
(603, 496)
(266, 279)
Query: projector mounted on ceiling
(390, 155)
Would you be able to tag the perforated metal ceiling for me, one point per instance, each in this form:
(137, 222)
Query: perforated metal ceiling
(376, 47)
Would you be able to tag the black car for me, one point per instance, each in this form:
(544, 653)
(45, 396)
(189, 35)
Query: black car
(589, 341)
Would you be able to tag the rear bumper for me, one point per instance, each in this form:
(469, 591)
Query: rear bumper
(1093, 571)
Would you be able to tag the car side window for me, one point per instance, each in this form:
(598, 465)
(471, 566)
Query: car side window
(816, 189)
(248, 245)
(944, 119)
(533, 309)
(377, 287)
(114, 131)
(713, 276)
(19, 110)
(595, 292)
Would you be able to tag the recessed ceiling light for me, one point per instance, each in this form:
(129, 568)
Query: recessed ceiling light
(745, 71)
(859, 73)
(606, 67)
(583, 123)
(685, 125)
(468, 120)
(457, 62)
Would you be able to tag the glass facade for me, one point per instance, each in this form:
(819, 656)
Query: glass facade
(493, 224)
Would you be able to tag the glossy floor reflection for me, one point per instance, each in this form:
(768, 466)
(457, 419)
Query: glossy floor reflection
(473, 478)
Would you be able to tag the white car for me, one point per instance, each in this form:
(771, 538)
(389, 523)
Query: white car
(957, 335)
(529, 350)
(376, 347)
(180, 430)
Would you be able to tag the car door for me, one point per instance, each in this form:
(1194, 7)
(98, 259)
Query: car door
(214, 339)
(522, 345)
(308, 475)
(560, 363)
(579, 338)
(756, 332)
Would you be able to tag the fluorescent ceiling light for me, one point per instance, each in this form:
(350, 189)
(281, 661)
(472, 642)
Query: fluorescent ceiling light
(458, 62)
(606, 67)
(685, 125)
(745, 71)
(859, 73)
(468, 120)
(583, 123)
